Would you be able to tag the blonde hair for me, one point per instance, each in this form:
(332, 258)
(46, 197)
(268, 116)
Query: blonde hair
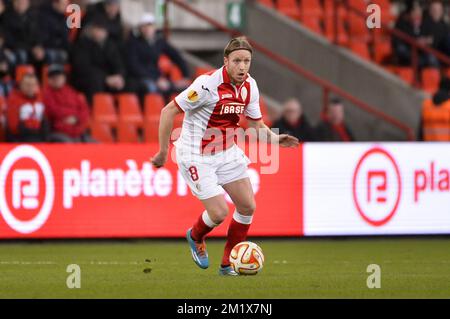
(239, 43)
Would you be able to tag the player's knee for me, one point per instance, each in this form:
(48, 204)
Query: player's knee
(219, 214)
(247, 209)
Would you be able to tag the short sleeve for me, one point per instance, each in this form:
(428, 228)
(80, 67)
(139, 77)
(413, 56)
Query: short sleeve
(253, 110)
(194, 96)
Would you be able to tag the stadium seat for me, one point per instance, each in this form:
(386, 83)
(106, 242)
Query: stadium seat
(23, 69)
(104, 110)
(151, 131)
(175, 73)
(357, 28)
(127, 133)
(153, 105)
(129, 109)
(311, 9)
(359, 5)
(201, 70)
(430, 79)
(164, 64)
(447, 72)
(329, 10)
(382, 51)
(101, 132)
(360, 49)
(406, 73)
(341, 32)
(313, 24)
(289, 8)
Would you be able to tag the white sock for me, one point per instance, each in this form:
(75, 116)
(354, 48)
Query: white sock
(208, 221)
(242, 219)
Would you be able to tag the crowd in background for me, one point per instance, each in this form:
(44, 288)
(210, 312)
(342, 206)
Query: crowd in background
(107, 56)
(331, 127)
(429, 25)
(103, 56)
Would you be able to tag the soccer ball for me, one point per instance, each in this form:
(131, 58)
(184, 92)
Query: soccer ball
(247, 258)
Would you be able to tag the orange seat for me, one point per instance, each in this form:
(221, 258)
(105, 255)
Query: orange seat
(129, 109)
(359, 5)
(151, 128)
(153, 105)
(342, 36)
(430, 79)
(329, 10)
(289, 8)
(103, 109)
(357, 28)
(406, 73)
(23, 69)
(311, 9)
(101, 132)
(313, 24)
(127, 133)
(164, 64)
(382, 50)
(175, 73)
(202, 70)
(360, 49)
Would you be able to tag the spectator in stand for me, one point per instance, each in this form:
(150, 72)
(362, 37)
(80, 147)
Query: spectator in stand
(143, 53)
(2, 10)
(26, 121)
(411, 23)
(7, 60)
(96, 62)
(435, 27)
(6, 79)
(66, 109)
(21, 27)
(109, 11)
(54, 32)
(295, 122)
(332, 128)
(436, 115)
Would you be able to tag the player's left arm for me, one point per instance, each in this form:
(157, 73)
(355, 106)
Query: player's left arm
(265, 134)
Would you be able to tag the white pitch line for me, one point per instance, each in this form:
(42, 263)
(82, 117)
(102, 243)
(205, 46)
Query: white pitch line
(106, 263)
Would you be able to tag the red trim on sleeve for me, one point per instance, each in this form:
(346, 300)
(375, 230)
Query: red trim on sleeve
(179, 107)
(251, 118)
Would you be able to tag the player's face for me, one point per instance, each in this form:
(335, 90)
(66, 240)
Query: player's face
(237, 64)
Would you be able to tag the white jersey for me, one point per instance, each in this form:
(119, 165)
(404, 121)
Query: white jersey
(213, 104)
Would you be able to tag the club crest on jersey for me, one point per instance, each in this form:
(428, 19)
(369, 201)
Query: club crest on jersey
(244, 93)
(232, 108)
(192, 96)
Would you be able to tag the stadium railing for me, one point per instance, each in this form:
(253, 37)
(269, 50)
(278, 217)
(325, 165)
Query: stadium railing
(415, 45)
(325, 85)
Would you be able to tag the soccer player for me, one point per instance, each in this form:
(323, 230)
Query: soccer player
(211, 107)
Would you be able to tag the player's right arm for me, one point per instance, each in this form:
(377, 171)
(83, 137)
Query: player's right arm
(190, 99)
(166, 119)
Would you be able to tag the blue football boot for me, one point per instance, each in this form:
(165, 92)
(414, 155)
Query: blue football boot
(198, 251)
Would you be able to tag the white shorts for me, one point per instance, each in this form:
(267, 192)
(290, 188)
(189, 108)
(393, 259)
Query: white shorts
(205, 174)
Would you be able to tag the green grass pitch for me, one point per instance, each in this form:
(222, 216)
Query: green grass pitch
(311, 268)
